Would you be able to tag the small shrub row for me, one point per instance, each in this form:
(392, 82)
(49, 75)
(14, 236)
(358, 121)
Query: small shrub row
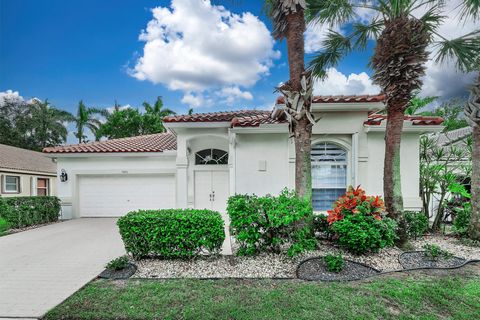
(4, 226)
(359, 224)
(172, 233)
(271, 224)
(22, 212)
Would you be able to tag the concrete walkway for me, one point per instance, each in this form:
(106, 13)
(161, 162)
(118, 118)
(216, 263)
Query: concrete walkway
(42, 267)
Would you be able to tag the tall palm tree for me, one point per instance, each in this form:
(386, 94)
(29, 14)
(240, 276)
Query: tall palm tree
(87, 118)
(398, 61)
(472, 111)
(47, 125)
(288, 18)
(153, 117)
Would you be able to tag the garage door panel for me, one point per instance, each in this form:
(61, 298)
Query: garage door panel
(116, 195)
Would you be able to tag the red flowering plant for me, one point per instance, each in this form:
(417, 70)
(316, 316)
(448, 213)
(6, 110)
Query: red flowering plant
(355, 201)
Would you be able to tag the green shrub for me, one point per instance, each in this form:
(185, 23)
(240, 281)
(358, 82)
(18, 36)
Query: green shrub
(117, 263)
(433, 252)
(271, 224)
(417, 223)
(320, 224)
(26, 211)
(360, 233)
(4, 226)
(172, 233)
(462, 219)
(334, 263)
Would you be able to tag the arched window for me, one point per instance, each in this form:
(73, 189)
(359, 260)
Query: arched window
(329, 174)
(211, 156)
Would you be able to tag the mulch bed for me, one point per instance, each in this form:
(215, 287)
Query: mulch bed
(314, 269)
(119, 274)
(418, 259)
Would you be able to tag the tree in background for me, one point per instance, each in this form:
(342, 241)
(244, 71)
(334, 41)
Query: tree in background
(87, 119)
(121, 123)
(14, 117)
(398, 62)
(417, 103)
(129, 122)
(153, 116)
(46, 125)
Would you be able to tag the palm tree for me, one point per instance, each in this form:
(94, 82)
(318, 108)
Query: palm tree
(153, 117)
(289, 23)
(86, 118)
(472, 111)
(47, 125)
(398, 61)
(417, 103)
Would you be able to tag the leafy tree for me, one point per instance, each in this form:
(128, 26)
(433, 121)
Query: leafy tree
(398, 61)
(452, 113)
(13, 123)
(129, 122)
(46, 125)
(86, 118)
(418, 103)
(153, 117)
(121, 123)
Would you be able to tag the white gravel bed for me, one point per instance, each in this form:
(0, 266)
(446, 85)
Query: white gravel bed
(450, 244)
(280, 266)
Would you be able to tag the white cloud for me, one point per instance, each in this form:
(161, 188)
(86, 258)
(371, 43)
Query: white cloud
(232, 94)
(111, 109)
(193, 100)
(338, 83)
(194, 46)
(10, 96)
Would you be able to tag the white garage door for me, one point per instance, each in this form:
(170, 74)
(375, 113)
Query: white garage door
(116, 195)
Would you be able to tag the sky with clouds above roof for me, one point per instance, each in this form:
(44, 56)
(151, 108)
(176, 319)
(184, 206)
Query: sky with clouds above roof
(193, 53)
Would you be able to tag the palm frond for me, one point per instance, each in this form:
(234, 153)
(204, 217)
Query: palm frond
(334, 12)
(432, 19)
(462, 50)
(335, 46)
(363, 32)
(470, 9)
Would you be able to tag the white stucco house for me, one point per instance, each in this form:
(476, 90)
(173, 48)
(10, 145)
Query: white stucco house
(205, 158)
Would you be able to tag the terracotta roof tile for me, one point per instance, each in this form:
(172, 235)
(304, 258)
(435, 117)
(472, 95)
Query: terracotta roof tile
(343, 99)
(14, 158)
(149, 143)
(222, 116)
(256, 120)
(376, 119)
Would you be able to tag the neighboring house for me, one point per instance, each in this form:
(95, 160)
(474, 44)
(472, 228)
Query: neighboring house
(26, 173)
(455, 137)
(205, 158)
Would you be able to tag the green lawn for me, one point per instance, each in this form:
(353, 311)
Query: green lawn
(402, 296)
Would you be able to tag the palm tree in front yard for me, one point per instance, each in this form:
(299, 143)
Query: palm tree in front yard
(403, 39)
(288, 18)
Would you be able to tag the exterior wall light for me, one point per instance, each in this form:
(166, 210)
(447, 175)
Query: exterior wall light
(63, 176)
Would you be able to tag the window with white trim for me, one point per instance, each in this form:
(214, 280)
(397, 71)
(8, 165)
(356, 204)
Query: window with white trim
(11, 184)
(329, 174)
(43, 187)
(211, 156)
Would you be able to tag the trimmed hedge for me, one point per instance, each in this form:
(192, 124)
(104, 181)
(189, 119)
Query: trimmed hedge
(172, 233)
(26, 211)
(271, 224)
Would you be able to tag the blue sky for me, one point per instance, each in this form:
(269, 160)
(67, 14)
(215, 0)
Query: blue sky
(71, 50)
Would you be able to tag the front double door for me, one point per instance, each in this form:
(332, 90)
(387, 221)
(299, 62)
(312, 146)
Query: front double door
(212, 192)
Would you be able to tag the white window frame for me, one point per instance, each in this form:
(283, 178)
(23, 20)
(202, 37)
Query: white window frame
(18, 185)
(47, 186)
(341, 144)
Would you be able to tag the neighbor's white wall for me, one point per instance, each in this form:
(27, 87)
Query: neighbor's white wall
(116, 164)
(253, 148)
(409, 167)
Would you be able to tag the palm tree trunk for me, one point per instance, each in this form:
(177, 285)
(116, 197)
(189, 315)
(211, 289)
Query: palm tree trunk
(474, 228)
(302, 129)
(392, 187)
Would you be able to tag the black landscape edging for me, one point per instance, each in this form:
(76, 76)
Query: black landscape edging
(423, 251)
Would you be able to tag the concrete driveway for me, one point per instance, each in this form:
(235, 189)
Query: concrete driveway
(42, 267)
